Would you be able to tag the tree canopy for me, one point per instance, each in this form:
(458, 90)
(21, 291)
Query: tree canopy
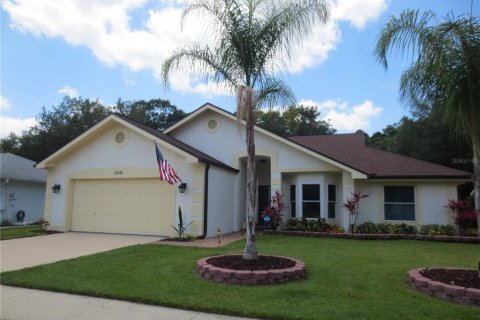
(425, 139)
(296, 120)
(60, 124)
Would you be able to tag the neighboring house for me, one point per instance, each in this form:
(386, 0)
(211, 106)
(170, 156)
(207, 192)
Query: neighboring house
(109, 178)
(22, 189)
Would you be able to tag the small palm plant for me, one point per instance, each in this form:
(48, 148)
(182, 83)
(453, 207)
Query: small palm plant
(181, 226)
(352, 206)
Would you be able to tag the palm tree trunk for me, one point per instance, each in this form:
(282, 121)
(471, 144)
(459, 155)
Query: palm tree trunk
(476, 177)
(250, 251)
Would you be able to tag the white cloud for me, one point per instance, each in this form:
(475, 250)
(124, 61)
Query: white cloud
(4, 103)
(358, 12)
(15, 125)
(68, 91)
(343, 117)
(128, 82)
(105, 28)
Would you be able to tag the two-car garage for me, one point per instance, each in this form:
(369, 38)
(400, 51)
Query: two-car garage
(130, 206)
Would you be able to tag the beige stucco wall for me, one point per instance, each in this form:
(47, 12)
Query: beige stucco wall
(430, 199)
(101, 158)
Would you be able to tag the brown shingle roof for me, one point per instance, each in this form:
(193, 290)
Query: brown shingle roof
(202, 157)
(350, 150)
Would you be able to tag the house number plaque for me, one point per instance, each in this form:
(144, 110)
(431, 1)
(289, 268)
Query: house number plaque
(117, 172)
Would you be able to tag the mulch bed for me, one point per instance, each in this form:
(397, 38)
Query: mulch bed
(236, 262)
(457, 277)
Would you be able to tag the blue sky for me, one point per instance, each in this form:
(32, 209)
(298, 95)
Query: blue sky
(114, 49)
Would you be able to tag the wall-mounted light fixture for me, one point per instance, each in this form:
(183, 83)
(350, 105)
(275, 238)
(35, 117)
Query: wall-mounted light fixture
(56, 188)
(182, 187)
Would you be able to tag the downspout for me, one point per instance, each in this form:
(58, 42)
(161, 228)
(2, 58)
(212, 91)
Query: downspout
(205, 203)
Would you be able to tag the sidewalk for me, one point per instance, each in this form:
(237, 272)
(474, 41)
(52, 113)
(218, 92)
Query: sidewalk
(26, 304)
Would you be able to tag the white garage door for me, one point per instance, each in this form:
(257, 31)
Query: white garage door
(131, 206)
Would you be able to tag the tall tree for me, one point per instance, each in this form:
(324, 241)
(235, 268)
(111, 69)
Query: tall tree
(426, 139)
(254, 40)
(444, 77)
(156, 113)
(296, 120)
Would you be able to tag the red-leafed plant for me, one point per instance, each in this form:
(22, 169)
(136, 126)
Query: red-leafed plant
(465, 216)
(352, 206)
(275, 209)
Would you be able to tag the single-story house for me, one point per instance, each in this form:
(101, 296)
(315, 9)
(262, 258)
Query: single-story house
(22, 189)
(110, 182)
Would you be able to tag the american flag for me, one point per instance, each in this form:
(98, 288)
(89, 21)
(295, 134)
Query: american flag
(166, 171)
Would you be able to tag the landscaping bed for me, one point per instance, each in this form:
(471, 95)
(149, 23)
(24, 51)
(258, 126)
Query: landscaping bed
(233, 269)
(457, 285)
(458, 277)
(373, 236)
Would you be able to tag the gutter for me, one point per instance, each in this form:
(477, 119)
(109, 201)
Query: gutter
(205, 203)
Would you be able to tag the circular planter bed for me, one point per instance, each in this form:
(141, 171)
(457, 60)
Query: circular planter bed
(232, 269)
(457, 285)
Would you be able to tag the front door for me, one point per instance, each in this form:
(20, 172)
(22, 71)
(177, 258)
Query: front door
(263, 202)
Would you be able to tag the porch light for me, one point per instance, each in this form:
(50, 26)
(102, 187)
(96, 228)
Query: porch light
(56, 188)
(182, 187)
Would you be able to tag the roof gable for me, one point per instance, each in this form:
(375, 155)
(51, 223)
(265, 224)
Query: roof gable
(204, 108)
(191, 154)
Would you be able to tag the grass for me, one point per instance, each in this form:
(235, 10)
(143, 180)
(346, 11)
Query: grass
(347, 279)
(21, 232)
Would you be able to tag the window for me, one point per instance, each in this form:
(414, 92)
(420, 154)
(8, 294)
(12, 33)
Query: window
(311, 201)
(293, 201)
(212, 125)
(332, 198)
(399, 203)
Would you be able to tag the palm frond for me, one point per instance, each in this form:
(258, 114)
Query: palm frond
(285, 28)
(274, 92)
(408, 32)
(197, 60)
(445, 77)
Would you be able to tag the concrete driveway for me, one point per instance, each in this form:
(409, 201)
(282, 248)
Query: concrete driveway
(29, 252)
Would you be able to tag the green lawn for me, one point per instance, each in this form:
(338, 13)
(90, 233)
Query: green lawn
(21, 232)
(347, 279)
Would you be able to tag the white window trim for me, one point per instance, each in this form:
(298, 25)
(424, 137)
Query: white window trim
(320, 216)
(415, 198)
(328, 202)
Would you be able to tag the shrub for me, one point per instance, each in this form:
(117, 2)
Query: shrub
(367, 227)
(274, 211)
(437, 230)
(353, 207)
(6, 223)
(386, 228)
(181, 227)
(318, 225)
(464, 214)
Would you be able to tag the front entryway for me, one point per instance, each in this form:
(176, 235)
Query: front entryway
(263, 202)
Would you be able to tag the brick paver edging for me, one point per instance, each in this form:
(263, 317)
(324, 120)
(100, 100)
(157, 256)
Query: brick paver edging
(462, 295)
(372, 236)
(255, 277)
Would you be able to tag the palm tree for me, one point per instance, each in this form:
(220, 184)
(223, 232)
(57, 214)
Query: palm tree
(444, 79)
(255, 39)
